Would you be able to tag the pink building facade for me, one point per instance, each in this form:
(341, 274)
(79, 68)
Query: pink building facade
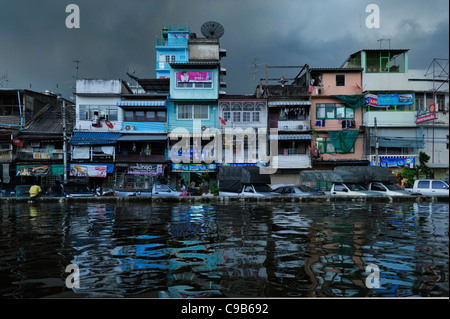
(336, 119)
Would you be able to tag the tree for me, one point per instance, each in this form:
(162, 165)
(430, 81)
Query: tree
(423, 168)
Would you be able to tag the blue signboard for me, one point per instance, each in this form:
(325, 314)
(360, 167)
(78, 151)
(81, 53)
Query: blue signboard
(397, 162)
(395, 99)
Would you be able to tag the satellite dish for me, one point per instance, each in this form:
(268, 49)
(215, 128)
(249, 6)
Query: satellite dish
(212, 30)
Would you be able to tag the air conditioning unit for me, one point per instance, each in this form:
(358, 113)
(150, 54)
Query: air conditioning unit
(129, 127)
(300, 127)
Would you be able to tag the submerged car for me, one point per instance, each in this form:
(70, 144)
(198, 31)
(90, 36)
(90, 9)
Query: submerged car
(77, 190)
(293, 190)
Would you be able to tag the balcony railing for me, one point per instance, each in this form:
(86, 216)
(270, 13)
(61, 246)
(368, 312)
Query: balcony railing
(140, 158)
(40, 155)
(293, 126)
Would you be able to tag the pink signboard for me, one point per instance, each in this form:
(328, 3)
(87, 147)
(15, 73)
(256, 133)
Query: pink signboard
(194, 76)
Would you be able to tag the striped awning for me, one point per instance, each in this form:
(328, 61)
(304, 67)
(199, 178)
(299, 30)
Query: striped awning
(141, 103)
(283, 137)
(89, 138)
(288, 103)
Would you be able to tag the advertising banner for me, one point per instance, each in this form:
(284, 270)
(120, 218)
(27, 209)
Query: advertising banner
(395, 99)
(145, 169)
(194, 76)
(194, 167)
(372, 100)
(88, 170)
(40, 170)
(397, 162)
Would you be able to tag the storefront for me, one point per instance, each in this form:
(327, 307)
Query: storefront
(42, 175)
(196, 177)
(138, 176)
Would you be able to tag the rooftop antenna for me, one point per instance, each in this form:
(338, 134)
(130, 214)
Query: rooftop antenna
(77, 62)
(4, 79)
(388, 40)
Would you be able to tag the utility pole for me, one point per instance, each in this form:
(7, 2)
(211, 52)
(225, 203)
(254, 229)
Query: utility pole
(376, 142)
(64, 139)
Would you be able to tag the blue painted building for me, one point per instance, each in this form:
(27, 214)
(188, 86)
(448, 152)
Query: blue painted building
(171, 47)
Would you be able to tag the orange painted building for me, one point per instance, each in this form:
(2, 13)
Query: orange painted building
(337, 117)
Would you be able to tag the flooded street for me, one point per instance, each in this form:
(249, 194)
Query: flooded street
(237, 250)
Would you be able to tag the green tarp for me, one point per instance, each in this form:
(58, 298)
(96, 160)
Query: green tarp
(352, 101)
(343, 141)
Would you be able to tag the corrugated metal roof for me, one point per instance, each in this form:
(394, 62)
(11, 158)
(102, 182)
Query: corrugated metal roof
(91, 138)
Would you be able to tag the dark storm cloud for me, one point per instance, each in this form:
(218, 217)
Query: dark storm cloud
(119, 36)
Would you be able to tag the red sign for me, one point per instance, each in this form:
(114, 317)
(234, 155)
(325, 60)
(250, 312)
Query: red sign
(425, 118)
(17, 142)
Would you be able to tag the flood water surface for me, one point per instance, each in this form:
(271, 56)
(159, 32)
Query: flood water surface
(343, 249)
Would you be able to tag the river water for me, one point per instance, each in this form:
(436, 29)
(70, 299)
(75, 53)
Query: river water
(236, 250)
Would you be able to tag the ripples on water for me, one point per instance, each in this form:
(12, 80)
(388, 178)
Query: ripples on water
(238, 250)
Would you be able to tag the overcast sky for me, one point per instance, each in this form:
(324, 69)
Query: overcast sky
(38, 49)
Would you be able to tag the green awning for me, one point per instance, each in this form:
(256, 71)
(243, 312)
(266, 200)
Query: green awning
(352, 101)
(343, 141)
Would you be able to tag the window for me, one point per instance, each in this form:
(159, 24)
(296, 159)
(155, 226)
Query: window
(340, 80)
(438, 185)
(145, 116)
(423, 184)
(339, 188)
(334, 111)
(103, 112)
(326, 147)
(191, 112)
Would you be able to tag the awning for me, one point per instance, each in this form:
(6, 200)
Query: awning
(282, 137)
(288, 103)
(140, 137)
(142, 103)
(88, 138)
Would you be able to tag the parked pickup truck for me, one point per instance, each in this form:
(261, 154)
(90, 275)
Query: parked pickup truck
(351, 189)
(243, 181)
(251, 191)
(389, 189)
(430, 187)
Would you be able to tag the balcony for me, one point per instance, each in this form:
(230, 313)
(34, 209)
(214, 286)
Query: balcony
(285, 91)
(6, 156)
(30, 155)
(293, 126)
(140, 158)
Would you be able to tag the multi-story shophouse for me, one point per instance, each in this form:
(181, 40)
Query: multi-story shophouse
(289, 123)
(193, 112)
(336, 117)
(98, 127)
(431, 98)
(392, 138)
(243, 125)
(32, 128)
